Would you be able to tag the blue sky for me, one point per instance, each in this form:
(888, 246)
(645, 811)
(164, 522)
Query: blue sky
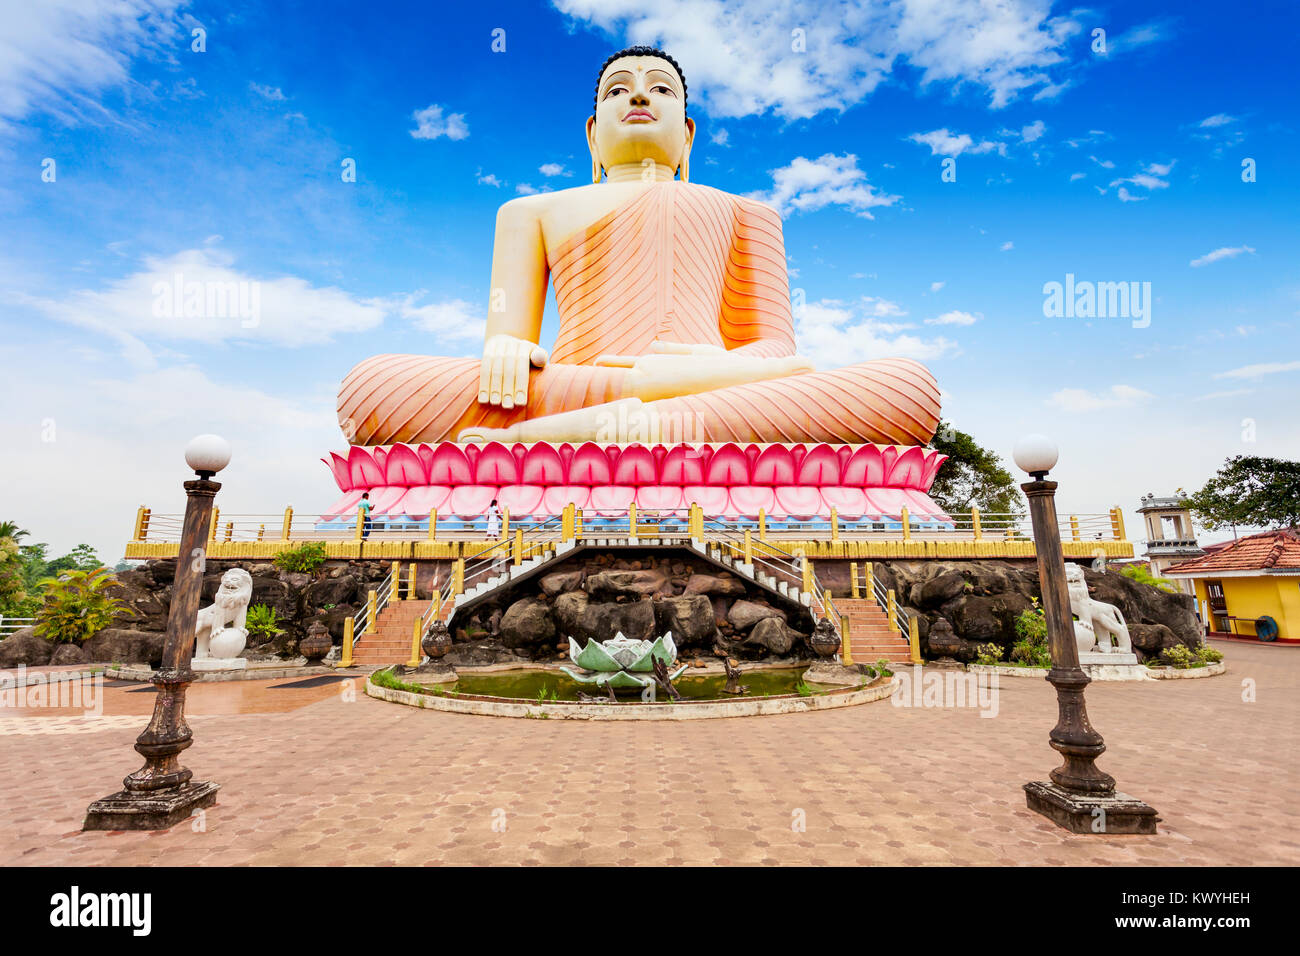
(226, 163)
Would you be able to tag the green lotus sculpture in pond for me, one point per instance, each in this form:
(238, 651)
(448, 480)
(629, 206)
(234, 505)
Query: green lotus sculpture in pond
(621, 661)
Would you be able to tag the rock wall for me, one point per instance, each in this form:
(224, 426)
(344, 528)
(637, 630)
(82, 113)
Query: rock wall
(968, 603)
(592, 596)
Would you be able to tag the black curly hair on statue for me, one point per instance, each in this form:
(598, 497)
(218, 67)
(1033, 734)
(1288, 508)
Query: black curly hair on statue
(638, 51)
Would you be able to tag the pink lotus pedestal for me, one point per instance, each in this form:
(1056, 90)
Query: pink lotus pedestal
(787, 483)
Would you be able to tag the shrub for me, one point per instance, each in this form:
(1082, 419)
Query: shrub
(1031, 625)
(882, 668)
(305, 557)
(1142, 575)
(1031, 654)
(263, 621)
(988, 654)
(1209, 655)
(77, 607)
(1179, 656)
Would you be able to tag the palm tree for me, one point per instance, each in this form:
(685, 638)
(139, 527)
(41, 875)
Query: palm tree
(10, 529)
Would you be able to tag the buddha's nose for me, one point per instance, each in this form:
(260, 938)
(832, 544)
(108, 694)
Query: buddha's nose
(640, 98)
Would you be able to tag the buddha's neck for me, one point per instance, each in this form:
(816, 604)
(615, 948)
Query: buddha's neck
(631, 172)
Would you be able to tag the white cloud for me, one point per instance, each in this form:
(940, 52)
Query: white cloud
(1077, 176)
(1006, 246)
(488, 179)
(1032, 132)
(936, 286)
(1126, 196)
(272, 93)
(807, 185)
(720, 137)
(1103, 163)
(944, 143)
(1218, 119)
(832, 335)
(452, 319)
(1081, 400)
(1224, 252)
(1263, 368)
(59, 56)
(883, 308)
(955, 318)
(738, 55)
(197, 296)
(431, 124)
(527, 189)
(553, 169)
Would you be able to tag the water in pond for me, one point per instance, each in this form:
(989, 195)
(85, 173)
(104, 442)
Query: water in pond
(533, 684)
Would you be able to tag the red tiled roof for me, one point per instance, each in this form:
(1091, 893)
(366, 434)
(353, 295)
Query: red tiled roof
(1266, 551)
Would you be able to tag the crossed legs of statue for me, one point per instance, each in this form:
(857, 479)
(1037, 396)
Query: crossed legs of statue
(392, 398)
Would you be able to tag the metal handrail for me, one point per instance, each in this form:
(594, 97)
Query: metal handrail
(382, 594)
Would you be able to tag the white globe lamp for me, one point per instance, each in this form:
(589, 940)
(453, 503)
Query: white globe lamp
(207, 454)
(1035, 454)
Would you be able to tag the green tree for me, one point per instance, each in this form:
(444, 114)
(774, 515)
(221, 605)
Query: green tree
(77, 606)
(80, 558)
(972, 476)
(13, 579)
(1252, 492)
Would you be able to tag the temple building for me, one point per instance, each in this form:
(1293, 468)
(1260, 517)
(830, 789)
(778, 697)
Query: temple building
(1171, 539)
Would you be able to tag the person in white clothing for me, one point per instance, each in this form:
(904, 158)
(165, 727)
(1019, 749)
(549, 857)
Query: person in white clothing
(494, 520)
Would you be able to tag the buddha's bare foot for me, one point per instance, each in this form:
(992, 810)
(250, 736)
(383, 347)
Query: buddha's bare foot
(481, 436)
(599, 423)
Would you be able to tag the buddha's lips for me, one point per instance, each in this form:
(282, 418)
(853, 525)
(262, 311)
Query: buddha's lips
(638, 114)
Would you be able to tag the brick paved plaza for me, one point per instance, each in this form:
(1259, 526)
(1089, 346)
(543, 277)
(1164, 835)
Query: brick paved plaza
(309, 777)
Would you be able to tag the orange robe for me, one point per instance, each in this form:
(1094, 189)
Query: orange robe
(678, 263)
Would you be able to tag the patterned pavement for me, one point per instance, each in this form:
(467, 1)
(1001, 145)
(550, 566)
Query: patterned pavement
(328, 776)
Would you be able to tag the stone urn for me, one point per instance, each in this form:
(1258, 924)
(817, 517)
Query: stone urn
(944, 644)
(824, 640)
(316, 644)
(437, 641)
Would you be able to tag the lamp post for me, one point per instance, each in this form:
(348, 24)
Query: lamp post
(162, 793)
(1081, 797)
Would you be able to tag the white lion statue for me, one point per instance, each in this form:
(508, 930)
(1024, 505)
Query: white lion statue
(228, 612)
(1097, 622)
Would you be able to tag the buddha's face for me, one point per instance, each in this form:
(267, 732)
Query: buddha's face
(640, 114)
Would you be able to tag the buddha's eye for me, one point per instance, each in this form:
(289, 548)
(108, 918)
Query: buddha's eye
(663, 89)
(615, 89)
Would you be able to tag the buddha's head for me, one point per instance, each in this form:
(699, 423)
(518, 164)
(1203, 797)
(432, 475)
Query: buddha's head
(640, 113)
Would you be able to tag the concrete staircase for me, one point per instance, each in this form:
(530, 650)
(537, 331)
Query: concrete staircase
(870, 637)
(390, 641)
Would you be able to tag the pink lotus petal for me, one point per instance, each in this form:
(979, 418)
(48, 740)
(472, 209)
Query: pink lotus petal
(344, 507)
(338, 466)
(403, 467)
(659, 498)
(712, 499)
(747, 500)
(866, 469)
(799, 502)
(887, 502)
(418, 502)
(933, 462)
(495, 465)
(365, 474)
(523, 501)
(849, 503)
(727, 467)
(470, 501)
(449, 466)
(821, 466)
(590, 466)
(907, 470)
(555, 497)
(635, 466)
(611, 500)
(542, 465)
(774, 466)
(682, 465)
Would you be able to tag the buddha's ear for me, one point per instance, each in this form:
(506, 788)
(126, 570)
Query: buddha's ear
(684, 165)
(591, 145)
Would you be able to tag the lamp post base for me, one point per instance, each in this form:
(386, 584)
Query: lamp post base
(1107, 813)
(150, 809)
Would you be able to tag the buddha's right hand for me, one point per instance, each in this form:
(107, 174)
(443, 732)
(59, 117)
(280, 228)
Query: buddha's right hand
(503, 373)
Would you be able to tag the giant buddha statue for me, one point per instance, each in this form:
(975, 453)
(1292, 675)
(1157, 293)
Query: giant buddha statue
(673, 303)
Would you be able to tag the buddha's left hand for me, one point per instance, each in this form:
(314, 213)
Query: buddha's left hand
(689, 369)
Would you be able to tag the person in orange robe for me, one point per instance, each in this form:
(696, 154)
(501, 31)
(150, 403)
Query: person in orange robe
(674, 310)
